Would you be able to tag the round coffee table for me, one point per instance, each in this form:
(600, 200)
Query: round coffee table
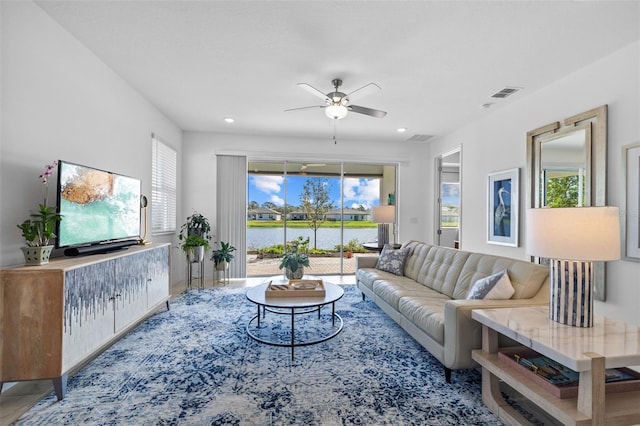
(293, 306)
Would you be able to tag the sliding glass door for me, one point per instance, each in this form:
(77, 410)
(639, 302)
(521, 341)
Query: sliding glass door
(325, 205)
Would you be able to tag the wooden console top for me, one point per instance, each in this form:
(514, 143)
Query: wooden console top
(71, 262)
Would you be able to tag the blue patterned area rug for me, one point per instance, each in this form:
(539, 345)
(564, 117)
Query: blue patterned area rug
(195, 365)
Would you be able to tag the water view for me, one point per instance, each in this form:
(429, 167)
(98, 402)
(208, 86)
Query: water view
(328, 238)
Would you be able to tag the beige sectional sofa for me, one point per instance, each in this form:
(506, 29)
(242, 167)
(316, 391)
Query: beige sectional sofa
(429, 299)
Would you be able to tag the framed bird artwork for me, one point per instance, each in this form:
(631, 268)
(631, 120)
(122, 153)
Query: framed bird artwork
(503, 201)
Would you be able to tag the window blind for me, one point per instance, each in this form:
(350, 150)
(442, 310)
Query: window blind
(163, 187)
(232, 209)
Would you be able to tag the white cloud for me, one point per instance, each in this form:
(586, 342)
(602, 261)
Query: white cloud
(350, 188)
(370, 191)
(268, 184)
(361, 192)
(451, 190)
(277, 200)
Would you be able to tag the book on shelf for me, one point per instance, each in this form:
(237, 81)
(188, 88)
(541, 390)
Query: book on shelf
(559, 375)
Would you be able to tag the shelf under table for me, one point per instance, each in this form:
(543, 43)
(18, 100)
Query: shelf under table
(609, 344)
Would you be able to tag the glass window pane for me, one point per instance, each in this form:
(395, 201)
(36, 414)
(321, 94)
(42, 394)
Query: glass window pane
(312, 202)
(163, 187)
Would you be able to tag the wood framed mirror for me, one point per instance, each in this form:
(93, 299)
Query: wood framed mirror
(567, 166)
(562, 168)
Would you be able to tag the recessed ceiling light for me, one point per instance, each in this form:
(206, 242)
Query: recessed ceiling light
(402, 129)
(229, 120)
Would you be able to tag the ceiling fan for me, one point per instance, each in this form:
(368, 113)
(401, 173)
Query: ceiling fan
(305, 166)
(337, 104)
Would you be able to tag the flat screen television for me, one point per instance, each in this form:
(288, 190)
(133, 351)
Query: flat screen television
(100, 209)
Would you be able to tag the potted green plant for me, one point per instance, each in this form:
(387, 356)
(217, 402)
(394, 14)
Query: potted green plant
(194, 237)
(195, 224)
(195, 246)
(222, 256)
(295, 258)
(39, 229)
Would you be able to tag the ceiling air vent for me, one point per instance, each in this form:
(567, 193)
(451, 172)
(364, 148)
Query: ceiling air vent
(507, 91)
(419, 138)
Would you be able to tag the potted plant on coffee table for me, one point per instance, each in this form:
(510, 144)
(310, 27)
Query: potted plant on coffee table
(222, 256)
(295, 258)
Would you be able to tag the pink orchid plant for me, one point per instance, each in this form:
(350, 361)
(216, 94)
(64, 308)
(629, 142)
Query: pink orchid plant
(39, 229)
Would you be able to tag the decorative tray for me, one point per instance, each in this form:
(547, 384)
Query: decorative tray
(296, 288)
(561, 381)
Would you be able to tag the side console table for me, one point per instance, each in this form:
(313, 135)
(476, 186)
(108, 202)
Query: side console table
(589, 351)
(56, 317)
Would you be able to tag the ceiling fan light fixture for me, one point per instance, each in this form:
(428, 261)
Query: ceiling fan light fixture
(336, 111)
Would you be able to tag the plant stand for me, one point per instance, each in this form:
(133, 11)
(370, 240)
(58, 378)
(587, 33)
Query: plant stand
(199, 269)
(221, 269)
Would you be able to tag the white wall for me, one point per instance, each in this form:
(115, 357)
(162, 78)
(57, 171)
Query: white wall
(59, 101)
(199, 173)
(498, 142)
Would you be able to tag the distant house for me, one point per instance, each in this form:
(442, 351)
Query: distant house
(297, 215)
(334, 215)
(263, 213)
(348, 214)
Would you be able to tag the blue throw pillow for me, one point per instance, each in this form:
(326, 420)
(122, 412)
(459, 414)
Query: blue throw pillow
(392, 260)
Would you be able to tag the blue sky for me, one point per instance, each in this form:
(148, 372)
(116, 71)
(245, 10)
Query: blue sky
(450, 193)
(357, 191)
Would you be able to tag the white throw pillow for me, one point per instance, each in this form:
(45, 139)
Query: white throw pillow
(494, 287)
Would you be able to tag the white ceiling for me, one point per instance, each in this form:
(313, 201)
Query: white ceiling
(436, 62)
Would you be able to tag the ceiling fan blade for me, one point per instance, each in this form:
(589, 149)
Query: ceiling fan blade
(365, 90)
(367, 111)
(309, 88)
(307, 107)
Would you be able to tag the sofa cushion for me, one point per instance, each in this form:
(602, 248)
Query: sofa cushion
(426, 313)
(392, 290)
(367, 276)
(526, 277)
(417, 255)
(392, 260)
(494, 287)
(441, 268)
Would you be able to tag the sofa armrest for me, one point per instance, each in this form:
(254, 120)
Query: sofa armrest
(462, 334)
(366, 261)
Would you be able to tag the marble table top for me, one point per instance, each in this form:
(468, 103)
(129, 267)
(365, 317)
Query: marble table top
(617, 341)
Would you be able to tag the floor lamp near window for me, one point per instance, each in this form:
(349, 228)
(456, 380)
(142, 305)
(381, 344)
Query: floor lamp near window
(383, 216)
(572, 239)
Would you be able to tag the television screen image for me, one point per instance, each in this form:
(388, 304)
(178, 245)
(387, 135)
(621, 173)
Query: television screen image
(97, 206)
